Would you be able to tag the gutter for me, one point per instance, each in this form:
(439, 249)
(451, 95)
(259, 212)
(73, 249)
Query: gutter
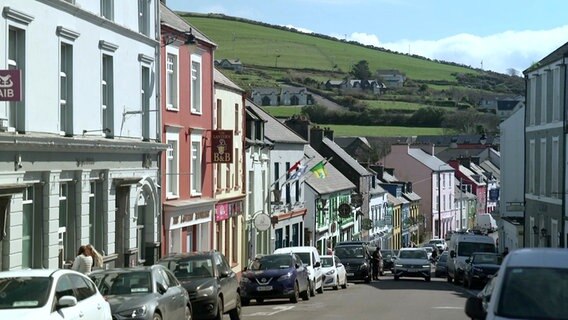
(564, 238)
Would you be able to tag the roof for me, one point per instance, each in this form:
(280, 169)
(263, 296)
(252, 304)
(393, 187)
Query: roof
(456, 153)
(265, 90)
(274, 130)
(507, 104)
(538, 257)
(448, 139)
(555, 55)
(221, 79)
(31, 273)
(346, 157)
(394, 200)
(293, 89)
(490, 167)
(335, 181)
(172, 20)
(377, 190)
(412, 196)
(428, 160)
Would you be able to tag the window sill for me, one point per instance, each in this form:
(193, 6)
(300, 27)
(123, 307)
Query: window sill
(196, 194)
(172, 197)
(170, 108)
(195, 112)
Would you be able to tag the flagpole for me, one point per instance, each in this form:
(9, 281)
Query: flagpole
(286, 173)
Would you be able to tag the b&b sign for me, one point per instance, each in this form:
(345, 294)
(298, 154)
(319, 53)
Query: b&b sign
(222, 146)
(11, 85)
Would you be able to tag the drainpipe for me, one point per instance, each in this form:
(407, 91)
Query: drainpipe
(158, 88)
(563, 238)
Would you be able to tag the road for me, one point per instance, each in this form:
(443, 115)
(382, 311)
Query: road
(407, 298)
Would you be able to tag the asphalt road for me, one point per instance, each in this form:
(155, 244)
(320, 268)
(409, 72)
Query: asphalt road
(407, 298)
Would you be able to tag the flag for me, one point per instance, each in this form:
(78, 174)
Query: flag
(297, 174)
(294, 167)
(319, 170)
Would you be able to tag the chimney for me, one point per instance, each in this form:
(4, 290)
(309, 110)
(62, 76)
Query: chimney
(316, 137)
(433, 149)
(299, 124)
(379, 170)
(328, 133)
(409, 187)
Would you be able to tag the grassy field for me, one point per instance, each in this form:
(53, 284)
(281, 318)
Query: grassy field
(283, 111)
(271, 47)
(375, 131)
(393, 105)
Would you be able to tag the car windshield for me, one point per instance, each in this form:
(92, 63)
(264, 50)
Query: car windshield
(123, 283)
(534, 293)
(387, 254)
(467, 248)
(443, 258)
(487, 259)
(327, 262)
(194, 267)
(436, 241)
(24, 292)
(304, 256)
(281, 261)
(413, 254)
(349, 252)
(429, 249)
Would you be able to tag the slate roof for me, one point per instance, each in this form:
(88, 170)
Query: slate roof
(266, 90)
(220, 78)
(293, 90)
(447, 140)
(428, 160)
(459, 194)
(377, 190)
(335, 181)
(470, 174)
(555, 55)
(394, 200)
(335, 148)
(275, 130)
(490, 167)
(412, 196)
(172, 20)
(451, 154)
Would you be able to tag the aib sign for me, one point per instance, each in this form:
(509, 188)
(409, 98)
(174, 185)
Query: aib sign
(11, 85)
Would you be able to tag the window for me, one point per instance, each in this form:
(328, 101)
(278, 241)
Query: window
(195, 170)
(228, 238)
(219, 177)
(219, 114)
(543, 97)
(542, 173)
(144, 17)
(29, 228)
(107, 9)
(227, 176)
(554, 170)
(67, 219)
(237, 167)
(96, 215)
(196, 85)
(531, 166)
(556, 94)
(172, 164)
(66, 89)
(140, 229)
(236, 232)
(83, 287)
(172, 82)
(64, 287)
(532, 105)
(237, 118)
(16, 60)
(108, 93)
(146, 97)
(287, 186)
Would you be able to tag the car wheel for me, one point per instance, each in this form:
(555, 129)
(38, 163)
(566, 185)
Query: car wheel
(312, 289)
(336, 286)
(427, 279)
(156, 316)
(260, 300)
(187, 313)
(219, 315)
(449, 279)
(396, 278)
(320, 289)
(368, 279)
(344, 285)
(305, 294)
(296, 296)
(235, 314)
(245, 302)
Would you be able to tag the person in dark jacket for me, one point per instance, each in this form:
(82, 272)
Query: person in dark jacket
(377, 261)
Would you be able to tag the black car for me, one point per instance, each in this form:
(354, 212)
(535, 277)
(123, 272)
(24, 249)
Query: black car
(212, 286)
(150, 293)
(480, 266)
(441, 268)
(356, 258)
(388, 261)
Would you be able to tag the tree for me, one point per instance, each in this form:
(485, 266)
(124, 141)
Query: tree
(469, 121)
(361, 70)
(513, 72)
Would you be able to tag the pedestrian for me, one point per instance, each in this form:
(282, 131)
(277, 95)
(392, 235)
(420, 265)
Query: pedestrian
(97, 257)
(376, 262)
(83, 261)
(329, 250)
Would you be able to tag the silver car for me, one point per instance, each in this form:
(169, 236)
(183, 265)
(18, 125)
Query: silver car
(412, 262)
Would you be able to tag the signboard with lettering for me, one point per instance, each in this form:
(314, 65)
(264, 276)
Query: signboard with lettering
(11, 85)
(224, 211)
(222, 146)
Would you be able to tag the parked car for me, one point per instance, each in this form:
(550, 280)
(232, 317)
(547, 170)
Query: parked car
(479, 267)
(412, 262)
(333, 272)
(356, 258)
(150, 292)
(439, 243)
(311, 258)
(441, 268)
(50, 294)
(388, 261)
(212, 286)
(275, 276)
(530, 284)
(429, 251)
(461, 247)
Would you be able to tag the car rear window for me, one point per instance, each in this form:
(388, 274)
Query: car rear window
(24, 292)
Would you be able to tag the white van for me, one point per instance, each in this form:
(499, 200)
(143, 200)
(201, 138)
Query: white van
(461, 246)
(311, 258)
(486, 222)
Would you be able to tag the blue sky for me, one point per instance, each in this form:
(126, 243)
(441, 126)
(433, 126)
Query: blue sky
(494, 34)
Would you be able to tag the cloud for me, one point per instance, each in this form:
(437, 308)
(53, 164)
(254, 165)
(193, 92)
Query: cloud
(497, 52)
(304, 30)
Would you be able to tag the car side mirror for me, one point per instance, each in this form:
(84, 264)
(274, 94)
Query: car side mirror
(224, 273)
(467, 260)
(474, 308)
(297, 265)
(66, 302)
(339, 265)
(317, 264)
(452, 254)
(162, 288)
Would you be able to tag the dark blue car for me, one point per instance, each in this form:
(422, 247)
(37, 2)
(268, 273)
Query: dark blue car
(275, 276)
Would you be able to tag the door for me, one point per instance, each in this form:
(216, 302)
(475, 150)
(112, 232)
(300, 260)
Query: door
(228, 287)
(171, 300)
(122, 206)
(64, 287)
(89, 303)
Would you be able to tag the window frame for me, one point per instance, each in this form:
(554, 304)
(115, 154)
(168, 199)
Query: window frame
(172, 134)
(196, 163)
(144, 17)
(66, 100)
(196, 84)
(107, 9)
(172, 80)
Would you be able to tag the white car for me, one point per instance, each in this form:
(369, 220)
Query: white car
(50, 294)
(530, 284)
(333, 272)
(439, 243)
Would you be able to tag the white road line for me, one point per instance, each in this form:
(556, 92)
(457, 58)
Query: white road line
(448, 308)
(276, 310)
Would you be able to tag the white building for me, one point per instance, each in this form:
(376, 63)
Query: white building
(79, 151)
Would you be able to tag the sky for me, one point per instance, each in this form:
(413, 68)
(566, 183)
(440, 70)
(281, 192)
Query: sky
(497, 35)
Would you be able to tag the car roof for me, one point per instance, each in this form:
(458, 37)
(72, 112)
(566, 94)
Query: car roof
(127, 270)
(411, 249)
(326, 256)
(538, 257)
(295, 249)
(176, 256)
(32, 273)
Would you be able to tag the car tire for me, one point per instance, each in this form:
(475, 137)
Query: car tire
(260, 300)
(396, 278)
(449, 279)
(305, 295)
(219, 315)
(312, 289)
(296, 296)
(235, 314)
(344, 285)
(427, 279)
(156, 316)
(320, 289)
(187, 313)
(245, 302)
(336, 286)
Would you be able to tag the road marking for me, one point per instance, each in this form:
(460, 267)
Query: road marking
(448, 308)
(276, 310)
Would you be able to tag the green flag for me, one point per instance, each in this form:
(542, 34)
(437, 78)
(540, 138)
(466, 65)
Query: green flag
(319, 170)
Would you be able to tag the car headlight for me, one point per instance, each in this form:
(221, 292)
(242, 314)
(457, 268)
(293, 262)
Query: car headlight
(363, 266)
(426, 266)
(245, 280)
(285, 277)
(209, 291)
(398, 265)
(135, 313)
(330, 272)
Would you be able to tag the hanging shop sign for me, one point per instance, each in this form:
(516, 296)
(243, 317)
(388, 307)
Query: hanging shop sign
(222, 146)
(224, 211)
(262, 222)
(344, 210)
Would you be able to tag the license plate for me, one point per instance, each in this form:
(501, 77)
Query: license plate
(350, 274)
(264, 288)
